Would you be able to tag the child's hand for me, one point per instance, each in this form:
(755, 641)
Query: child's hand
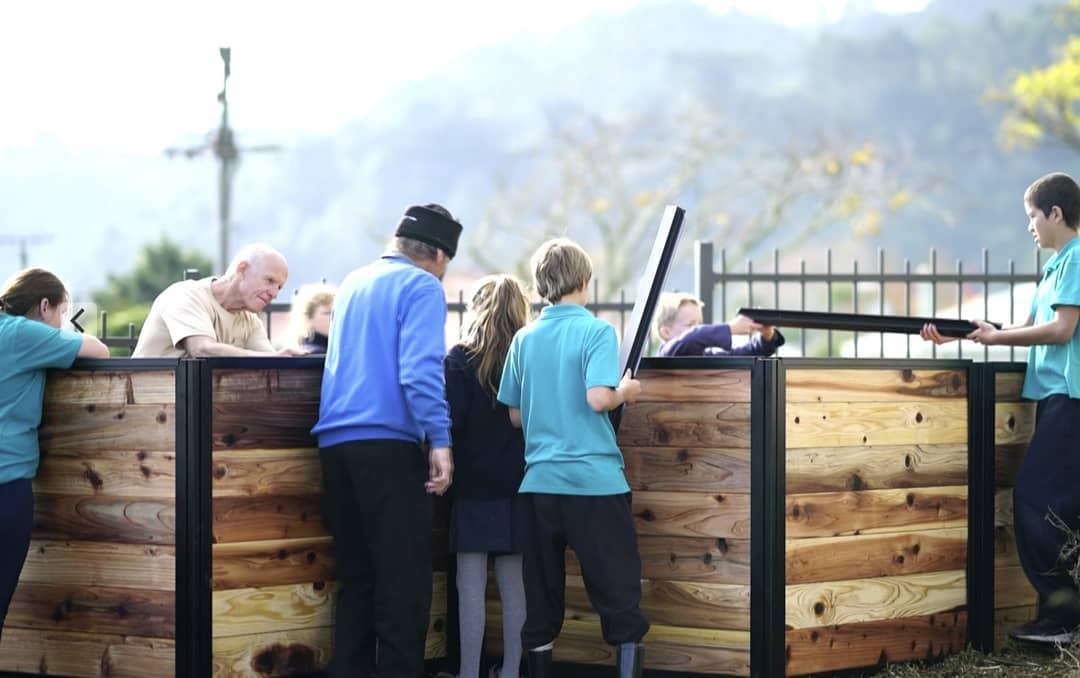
(767, 332)
(629, 387)
(440, 470)
(929, 332)
(741, 324)
(985, 333)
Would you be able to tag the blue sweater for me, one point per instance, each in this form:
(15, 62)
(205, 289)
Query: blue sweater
(383, 376)
(715, 340)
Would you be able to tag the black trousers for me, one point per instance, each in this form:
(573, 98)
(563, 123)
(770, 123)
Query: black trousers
(380, 517)
(600, 529)
(16, 521)
(1049, 480)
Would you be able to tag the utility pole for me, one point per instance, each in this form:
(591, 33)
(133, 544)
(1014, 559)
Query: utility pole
(23, 242)
(222, 143)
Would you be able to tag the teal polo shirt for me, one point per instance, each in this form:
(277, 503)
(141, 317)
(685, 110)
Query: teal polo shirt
(1055, 368)
(29, 347)
(552, 362)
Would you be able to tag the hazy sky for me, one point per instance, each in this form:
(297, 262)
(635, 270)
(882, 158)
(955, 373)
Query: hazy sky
(137, 76)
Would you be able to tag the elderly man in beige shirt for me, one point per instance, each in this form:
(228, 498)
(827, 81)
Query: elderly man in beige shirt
(217, 316)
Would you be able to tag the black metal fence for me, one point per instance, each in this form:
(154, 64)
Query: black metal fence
(922, 289)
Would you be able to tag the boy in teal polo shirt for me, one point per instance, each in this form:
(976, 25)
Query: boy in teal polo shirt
(1049, 478)
(560, 379)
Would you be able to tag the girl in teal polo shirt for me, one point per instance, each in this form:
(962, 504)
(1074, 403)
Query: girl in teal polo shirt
(32, 306)
(1048, 482)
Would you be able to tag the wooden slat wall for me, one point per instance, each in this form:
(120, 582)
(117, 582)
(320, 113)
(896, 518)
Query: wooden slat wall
(1014, 422)
(876, 516)
(96, 595)
(686, 443)
(273, 567)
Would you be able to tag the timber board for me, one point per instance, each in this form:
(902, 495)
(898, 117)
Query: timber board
(688, 469)
(856, 424)
(93, 609)
(724, 425)
(694, 386)
(111, 519)
(862, 600)
(1013, 423)
(833, 648)
(1012, 588)
(864, 556)
(83, 655)
(688, 559)
(852, 385)
(105, 428)
(1007, 386)
(1008, 617)
(251, 564)
(124, 473)
(107, 387)
(262, 386)
(90, 563)
(250, 473)
(264, 425)
(692, 514)
(827, 469)
(834, 514)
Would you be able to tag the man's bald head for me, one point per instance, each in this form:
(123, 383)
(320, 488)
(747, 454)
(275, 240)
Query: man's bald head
(259, 272)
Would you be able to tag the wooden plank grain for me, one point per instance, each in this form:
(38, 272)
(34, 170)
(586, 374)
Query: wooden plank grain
(834, 514)
(1007, 461)
(692, 514)
(825, 469)
(112, 519)
(260, 386)
(878, 555)
(249, 473)
(91, 563)
(264, 425)
(861, 600)
(109, 387)
(1013, 423)
(685, 469)
(1012, 588)
(93, 609)
(838, 647)
(84, 655)
(875, 423)
(1009, 617)
(858, 385)
(723, 425)
(695, 386)
(1007, 386)
(261, 518)
(126, 473)
(93, 428)
(250, 564)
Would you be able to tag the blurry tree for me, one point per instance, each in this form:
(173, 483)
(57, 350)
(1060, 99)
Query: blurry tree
(1042, 102)
(605, 183)
(157, 266)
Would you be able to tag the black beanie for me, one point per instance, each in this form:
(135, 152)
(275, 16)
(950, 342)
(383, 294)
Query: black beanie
(431, 227)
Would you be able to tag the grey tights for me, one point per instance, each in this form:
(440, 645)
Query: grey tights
(471, 584)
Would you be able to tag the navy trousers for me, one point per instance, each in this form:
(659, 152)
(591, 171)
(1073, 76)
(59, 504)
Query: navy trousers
(16, 521)
(1049, 481)
(600, 529)
(380, 516)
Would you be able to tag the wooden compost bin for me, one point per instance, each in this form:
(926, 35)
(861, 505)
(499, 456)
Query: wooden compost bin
(178, 519)
(97, 596)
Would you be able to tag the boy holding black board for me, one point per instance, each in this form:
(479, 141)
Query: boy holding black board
(1048, 483)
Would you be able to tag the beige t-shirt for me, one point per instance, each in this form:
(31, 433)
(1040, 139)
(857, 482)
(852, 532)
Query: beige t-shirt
(187, 309)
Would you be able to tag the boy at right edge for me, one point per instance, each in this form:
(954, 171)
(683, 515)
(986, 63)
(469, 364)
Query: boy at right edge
(1048, 482)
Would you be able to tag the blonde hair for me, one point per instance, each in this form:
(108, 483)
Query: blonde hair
(308, 299)
(667, 307)
(498, 307)
(560, 267)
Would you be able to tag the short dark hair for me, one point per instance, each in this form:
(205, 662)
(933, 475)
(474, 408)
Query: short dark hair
(1056, 190)
(22, 293)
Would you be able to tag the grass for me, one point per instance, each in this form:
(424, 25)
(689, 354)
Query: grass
(1014, 660)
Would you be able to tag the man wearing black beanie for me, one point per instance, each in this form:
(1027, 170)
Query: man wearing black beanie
(383, 395)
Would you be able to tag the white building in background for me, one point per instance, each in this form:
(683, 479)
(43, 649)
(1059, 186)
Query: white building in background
(997, 309)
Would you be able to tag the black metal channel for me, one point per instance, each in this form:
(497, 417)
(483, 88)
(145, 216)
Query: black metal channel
(980, 538)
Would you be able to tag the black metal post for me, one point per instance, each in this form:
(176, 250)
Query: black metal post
(767, 448)
(980, 547)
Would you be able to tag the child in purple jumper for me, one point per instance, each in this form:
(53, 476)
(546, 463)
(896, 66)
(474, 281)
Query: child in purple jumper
(680, 328)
